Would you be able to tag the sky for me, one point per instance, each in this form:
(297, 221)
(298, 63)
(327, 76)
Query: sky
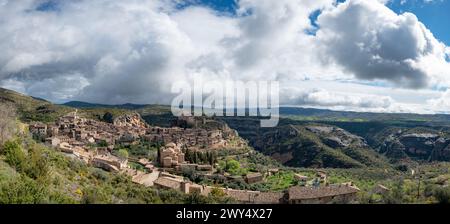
(358, 55)
(434, 14)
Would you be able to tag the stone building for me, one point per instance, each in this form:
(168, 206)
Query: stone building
(38, 129)
(252, 178)
(171, 155)
(168, 183)
(109, 163)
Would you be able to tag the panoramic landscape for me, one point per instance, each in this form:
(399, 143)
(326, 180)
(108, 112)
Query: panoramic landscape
(232, 102)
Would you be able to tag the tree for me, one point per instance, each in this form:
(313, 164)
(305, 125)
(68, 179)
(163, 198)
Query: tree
(123, 154)
(158, 155)
(7, 122)
(232, 165)
(209, 158)
(195, 157)
(203, 157)
(213, 158)
(102, 143)
(188, 155)
(190, 173)
(108, 117)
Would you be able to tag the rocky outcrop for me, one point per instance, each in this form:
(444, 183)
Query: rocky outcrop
(417, 145)
(335, 142)
(130, 120)
(336, 137)
(420, 145)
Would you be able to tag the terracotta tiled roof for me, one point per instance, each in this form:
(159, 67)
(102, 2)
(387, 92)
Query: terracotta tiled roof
(253, 175)
(296, 193)
(168, 182)
(268, 198)
(242, 196)
(255, 197)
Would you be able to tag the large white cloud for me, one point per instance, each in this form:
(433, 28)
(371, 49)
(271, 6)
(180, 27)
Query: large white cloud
(323, 98)
(372, 42)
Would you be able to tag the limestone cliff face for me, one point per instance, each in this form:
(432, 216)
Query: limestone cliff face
(130, 120)
(418, 145)
(336, 137)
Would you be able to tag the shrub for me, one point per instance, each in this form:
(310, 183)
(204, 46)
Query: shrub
(14, 155)
(190, 173)
(171, 196)
(61, 198)
(442, 195)
(23, 190)
(232, 165)
(402, 168)
(95, 195)
(102, 143)
(396, 195)
(123, 154)
(217, 192)
(37, 167)
(196, 198)
(100, 174)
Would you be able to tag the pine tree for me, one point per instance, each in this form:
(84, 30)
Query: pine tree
(204, 157)
(211, 159)
(198, 157)
(188, 155)
(158, 156)
(216, 158)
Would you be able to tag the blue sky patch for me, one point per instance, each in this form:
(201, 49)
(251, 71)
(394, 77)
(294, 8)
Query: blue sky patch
(223, 6)
(435, 15)
(48, 6)
(313, 19)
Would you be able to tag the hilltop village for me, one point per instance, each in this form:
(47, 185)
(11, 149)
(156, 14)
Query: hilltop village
(94, 142)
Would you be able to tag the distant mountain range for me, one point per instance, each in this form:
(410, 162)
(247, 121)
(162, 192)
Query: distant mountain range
(80, 104)
(299, 113)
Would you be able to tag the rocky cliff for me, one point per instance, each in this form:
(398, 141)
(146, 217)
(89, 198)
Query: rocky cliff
(130, 120)
(422, 145)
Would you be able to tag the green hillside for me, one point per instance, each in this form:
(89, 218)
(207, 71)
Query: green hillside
(31, 173)
(32, 109)
(35, 109)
